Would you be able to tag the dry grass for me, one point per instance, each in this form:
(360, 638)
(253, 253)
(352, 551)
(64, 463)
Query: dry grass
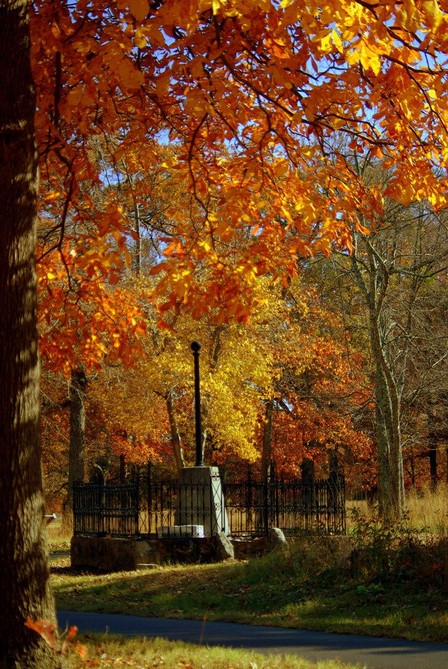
(59, 536)
(427, 510)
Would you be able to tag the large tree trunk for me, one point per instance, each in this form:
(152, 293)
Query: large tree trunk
(23, 549)
(76, 460)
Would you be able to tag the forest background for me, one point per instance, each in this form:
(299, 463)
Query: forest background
(292, 382)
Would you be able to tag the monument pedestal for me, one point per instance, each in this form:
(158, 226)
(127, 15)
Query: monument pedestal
(201, 500)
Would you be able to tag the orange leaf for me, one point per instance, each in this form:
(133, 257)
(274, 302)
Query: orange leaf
(45, 629)
(139, 9)
(72, 632)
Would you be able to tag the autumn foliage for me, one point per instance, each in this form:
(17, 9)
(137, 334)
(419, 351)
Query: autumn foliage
(190, 154)
(250, 93)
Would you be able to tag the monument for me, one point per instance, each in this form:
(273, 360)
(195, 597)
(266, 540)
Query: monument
(200, 506)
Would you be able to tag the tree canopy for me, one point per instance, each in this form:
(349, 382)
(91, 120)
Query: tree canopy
(250, 93)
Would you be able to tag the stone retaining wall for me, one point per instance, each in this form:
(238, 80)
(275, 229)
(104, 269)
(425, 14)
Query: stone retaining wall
(112, 554)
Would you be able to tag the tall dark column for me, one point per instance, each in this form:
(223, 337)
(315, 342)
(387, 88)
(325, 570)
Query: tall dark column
(196, 347)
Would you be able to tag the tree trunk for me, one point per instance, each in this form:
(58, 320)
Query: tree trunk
(433, 463)
(266, 455)
(432, 444)
(24, 572)
(308, 478)
(387, 423)
(175, 436)
(374, 286)
(76, 465)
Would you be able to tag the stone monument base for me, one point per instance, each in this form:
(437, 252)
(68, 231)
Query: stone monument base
(201, 500)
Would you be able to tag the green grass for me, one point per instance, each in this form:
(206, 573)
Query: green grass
(309, 586)
(398, 587)
(114, 651)
(59, 536)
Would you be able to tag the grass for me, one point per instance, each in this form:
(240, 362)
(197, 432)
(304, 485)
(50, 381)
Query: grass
(396, 587)
(59, 537)
(306, 586)
(426, 510)
(140, 653)
(429, 509)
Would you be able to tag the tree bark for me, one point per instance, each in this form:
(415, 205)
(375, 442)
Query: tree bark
(76, 462)
(432, 444)
(433, 464)
(24, 573)
(266, 455)
(391, 494)
(175, 436)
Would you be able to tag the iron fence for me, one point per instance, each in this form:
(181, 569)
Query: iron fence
(146, 507)
(294, 506)
(111, 510)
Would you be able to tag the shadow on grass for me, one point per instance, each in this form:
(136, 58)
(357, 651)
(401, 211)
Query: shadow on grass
(279, 589)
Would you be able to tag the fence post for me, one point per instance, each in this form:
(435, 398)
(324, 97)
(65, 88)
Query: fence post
(149, 495)
(278, 482)
(266, 493)
(308, 489)
(102, 508)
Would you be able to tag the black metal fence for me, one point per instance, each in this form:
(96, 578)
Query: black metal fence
(111, 510)
(144, 507)
(294, 506)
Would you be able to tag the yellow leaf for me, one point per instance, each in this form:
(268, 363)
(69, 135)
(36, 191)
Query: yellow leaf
(139, 39)
(337, 41)
(366, 56)
(51, 195)
(216, 5)
(433, 13)
(325, 43)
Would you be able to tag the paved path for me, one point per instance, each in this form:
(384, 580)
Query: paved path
(368, 652)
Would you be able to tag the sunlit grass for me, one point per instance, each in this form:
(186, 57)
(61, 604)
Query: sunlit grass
(428, 510)
(308, 586)
(59, 536)
(313, 584)
(139, 653)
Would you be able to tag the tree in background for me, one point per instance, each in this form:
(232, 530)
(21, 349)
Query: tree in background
(394, 267)
(236, 371)
(321, 393)
(291, 355)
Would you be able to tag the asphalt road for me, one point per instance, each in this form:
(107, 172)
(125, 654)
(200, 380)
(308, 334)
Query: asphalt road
(368, 652)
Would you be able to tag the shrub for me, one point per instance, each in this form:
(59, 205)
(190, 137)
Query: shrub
(397, 553)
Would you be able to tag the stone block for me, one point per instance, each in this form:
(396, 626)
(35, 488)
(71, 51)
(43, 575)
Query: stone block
(224, 548)
(196, 531)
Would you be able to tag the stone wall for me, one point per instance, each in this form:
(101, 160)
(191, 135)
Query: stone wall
(111, 554)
